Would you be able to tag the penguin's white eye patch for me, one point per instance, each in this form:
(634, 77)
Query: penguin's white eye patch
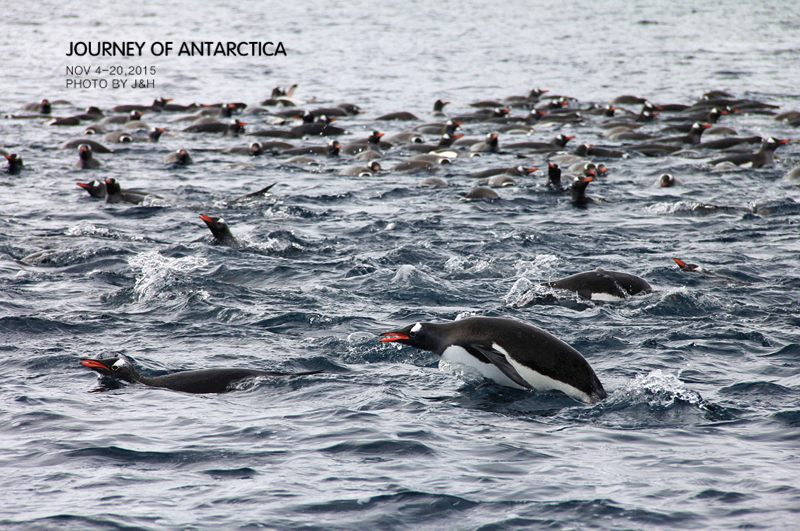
(416, 328)
(119, 364)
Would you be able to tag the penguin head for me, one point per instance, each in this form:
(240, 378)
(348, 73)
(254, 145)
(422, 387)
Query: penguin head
(418, 335)
(256, 149)
(217, 226)
(686, 267)
(118, 368)
(666, 180)
(85, 151)
(112, 186)
(375, 165)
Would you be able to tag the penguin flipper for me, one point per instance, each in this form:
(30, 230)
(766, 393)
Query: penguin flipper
(500, 361)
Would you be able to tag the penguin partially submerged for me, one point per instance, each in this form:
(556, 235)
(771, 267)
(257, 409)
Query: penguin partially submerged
(199, 381)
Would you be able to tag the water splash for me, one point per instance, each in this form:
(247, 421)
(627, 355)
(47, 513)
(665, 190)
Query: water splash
(159, 272)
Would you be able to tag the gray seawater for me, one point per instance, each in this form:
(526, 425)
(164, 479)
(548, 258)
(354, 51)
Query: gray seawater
(702, 423)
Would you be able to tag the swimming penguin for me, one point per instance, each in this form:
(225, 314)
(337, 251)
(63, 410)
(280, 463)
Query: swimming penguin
(86, 160)
(97, 147)
(221, 231)
(666, 180)
(433, 182)
(233, 129)
(480, 192)
(764, 156)
(510, 352)
(578, 188)
(43, 107)
(14, 164)
(331, 149)
(554, 176)
(157, 106)
(363, 171)
(490, 145)
(199, 381)
(514, 171)
(438, 107)
(96, 189)
(402, 116)
(255, 149)
(115, 193)
(133, 116)
(555, 144)
(179, 158)
(602, 285)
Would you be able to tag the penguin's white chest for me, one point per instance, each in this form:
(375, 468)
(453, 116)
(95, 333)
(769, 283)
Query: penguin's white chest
(459, 356)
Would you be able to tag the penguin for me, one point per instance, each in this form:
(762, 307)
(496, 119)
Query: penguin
(97, 147)
(233, 129)
(445, 141)
(119, 137)
(322, 127)
(666, 180)
(433, 182)
(402, 116)
(554, 176)
(729, 142)
(556, 143)
(221, 231)
(155, 134)
(15, 164)
(601, 285)
(86, 160)
(447, 128)
(96, 189)
(480, 192)
(763, 157)
(331, 149)
(115, 193)
(514, 171)
(438, 107)
(201, 381)
(133, 116)
(490, 145)
(578, 189)
(510, 352)
(255, 149)
(363, 171)
(373, 143)
(43, 107)
(179, 158)
(157, 106)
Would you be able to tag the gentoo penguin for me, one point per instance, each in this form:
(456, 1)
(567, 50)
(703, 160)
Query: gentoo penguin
(514, 171)
(363, 171)
(119, 137)
(433, 182)
(14, 164)
(179, 158)
(115, 193)
(490, 145)
(553, 176)
(331, 149)
(403, 116)
(764, 156)
(729, 142)
(198, 381)
(322, 127)
(97, 147)
(556, 143)
(447, 128)
(221, 231)
(578, 188)
(233, 129)
(438, 107)
(133, 116)
(157, 106)
(511, 353)
(480, 192)
(86, 160)
(96, 189)
(255, 149)
(602, 285)
(666, 180)
(43, 107)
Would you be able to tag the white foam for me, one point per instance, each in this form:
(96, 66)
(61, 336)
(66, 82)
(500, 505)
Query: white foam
(158, 272)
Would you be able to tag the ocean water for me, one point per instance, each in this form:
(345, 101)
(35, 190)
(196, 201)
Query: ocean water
(702, 424)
